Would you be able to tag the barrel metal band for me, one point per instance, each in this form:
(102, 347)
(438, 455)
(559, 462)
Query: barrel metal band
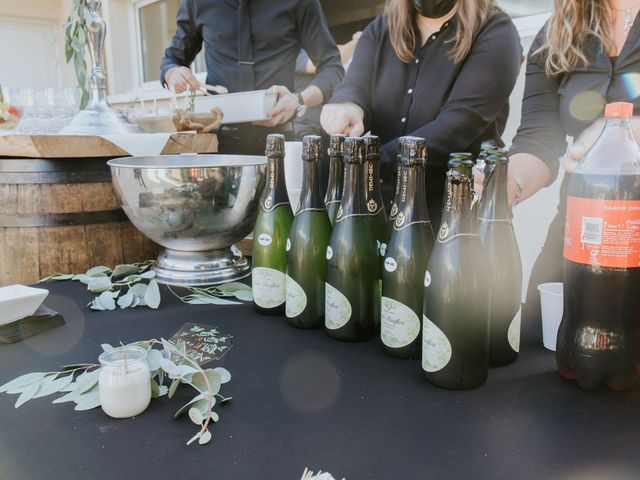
(62, 219)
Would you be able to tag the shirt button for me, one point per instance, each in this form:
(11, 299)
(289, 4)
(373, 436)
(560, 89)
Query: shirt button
(410, 91)
(417, 60)
(403, 119)
(433, 37)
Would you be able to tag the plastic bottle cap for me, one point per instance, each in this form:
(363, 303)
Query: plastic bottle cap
(619, 110)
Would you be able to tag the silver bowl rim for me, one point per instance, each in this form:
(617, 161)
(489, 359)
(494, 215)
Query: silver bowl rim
(188, 161)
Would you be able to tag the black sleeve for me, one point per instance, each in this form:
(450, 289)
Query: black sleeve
(479, 94)
(540, 132)
(356, 86)
(186, 42)
(320, 46)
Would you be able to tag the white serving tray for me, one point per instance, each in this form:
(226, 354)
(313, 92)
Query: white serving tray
(18, 301)
(241, 107)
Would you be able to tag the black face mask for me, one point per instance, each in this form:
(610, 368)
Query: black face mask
(433, 8)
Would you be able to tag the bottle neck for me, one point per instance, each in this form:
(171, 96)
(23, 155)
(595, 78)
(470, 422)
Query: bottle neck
(459, 216)
(495, 199)
(275, 193)
(336, 180)
(310, 198)
(395, 205)
(372, 183)
(412, 197)
(354, 201)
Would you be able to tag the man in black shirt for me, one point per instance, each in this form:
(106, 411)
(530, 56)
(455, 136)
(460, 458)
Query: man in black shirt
(252, 45)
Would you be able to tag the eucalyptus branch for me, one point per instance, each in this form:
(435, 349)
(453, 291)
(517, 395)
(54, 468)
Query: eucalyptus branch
(75, 46)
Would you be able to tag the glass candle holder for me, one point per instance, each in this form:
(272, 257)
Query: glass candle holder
(124, 381)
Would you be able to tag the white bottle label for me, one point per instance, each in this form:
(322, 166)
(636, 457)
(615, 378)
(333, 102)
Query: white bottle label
(513, 334)
(288, 246)
(383, 249)
(390, 265)
(296, 299)
(337, 309)
(399, 324)
(329, 253)
(436, 349)
(265, 239)
(427, 279)
(268, 286)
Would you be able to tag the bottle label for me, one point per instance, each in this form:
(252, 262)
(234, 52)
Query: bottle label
(513, 334)
(268, 287)
(265, 239)
(329, 252)
(399, 324)
(337, 309)
(296, 298)
(436, 349)
(288, 246)
(427, 279)
(383, 249)
(603, 233)
(390, 265)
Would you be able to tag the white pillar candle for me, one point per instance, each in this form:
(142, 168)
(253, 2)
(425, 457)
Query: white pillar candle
(124, 382)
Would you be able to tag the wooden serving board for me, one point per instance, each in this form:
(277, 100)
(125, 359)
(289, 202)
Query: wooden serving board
(79, 146)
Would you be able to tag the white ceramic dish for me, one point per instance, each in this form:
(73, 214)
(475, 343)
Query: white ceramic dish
(240, 107)
(18, 301)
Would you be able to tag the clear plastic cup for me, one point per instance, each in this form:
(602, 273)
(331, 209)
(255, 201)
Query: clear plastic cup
(551, 304)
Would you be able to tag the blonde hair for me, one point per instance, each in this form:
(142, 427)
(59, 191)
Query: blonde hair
(471, 15)
(573, 22)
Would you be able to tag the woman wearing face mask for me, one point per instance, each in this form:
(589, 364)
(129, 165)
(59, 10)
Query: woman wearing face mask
(438, 69)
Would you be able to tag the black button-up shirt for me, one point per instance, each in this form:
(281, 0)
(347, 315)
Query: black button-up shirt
(278, 30)
(455, 106)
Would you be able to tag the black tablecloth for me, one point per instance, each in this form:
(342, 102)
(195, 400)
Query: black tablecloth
(304, 400)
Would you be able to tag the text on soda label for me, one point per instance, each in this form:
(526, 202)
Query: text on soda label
(513, 334)
(296, 298)
(603, 233)
(390, 265)
(400, 325)
(268, 286)
(436, 348)
(329, 253)
(337, 309)
(427, 279)
(265, 239)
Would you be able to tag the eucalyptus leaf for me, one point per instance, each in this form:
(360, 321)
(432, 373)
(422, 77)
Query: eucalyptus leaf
(124, 270)
(69, 397)
(196, 416)
(225, 375)
(214, 416)
(126, 300)
(233, 287)
(214, 381)
(106, 347)
(96, 305)
(154, 357)
(148, 274)
(152, 295)
(205, 438)
(82, 278)
(193, 401)
(54, 386)
(199, 299)
(99, 284)
(244, 295)
(22, 381)
(88, 401)
(56, 278)
(194, 438)
(172, 389)
(107, 301)
(155, 389)
(28, 394)
(129, 279)
(100, 270)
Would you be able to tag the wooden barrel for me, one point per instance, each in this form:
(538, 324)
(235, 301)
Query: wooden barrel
(62, 216)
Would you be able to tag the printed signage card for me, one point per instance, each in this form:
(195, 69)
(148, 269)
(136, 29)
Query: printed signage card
(204, 343)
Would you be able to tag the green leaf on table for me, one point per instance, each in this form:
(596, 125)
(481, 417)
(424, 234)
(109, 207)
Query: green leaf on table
(69, 397)
(99, 284)
(225, 375)
(214, 416)
(152, 295)
(28, 394)
(105, 348)
(126, 300)
(244, 295)
(124, 270)
(89, 400)
(213, 378)
(148, 274)
(87, 381)
(233, 287)
(96, 305)
(205, 438)
(155, 389)
(154, 358)
(56, 278)
(54, 385)
(138, 291)
(172, 389)
(98, 271)
(22, 381)
(196, 416)
(199, 299)
(193, 403)
(107, 301)
(82, 278)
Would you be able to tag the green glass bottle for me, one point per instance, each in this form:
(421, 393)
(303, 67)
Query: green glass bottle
(270, 235)
(307, 245)
(393, 213)
(505, 264)
(375, 204)
(352, 296)
(336, 176)
(455, 333)
(407, 257)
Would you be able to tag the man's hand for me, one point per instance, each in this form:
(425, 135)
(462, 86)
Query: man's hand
(342, 118)
(179, 79)
(283, 110)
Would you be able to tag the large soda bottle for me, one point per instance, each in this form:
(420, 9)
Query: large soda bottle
(307, 245)
(336, 176)
(270, 235)
(407, 257)
(352, 305)
(455, 325)
(599, 336)
(501, 247)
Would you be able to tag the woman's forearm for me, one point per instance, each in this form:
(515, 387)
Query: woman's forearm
(530, 173)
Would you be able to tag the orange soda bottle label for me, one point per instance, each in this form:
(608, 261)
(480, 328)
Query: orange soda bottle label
(603, 233)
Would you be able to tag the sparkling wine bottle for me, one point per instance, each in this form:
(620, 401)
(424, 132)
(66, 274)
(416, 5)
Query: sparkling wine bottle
(375, 203)
(455, 332)
(352, 299)
(336, 176)
(270, 235)
(307, 245)
(407, 257)
(393, 213)
(505, 266)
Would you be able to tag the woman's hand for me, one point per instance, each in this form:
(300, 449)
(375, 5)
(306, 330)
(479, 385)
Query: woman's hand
(512, 186)
(342, 118)
(579, 148)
